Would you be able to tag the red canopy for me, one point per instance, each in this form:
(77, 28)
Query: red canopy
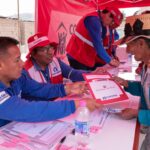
(58, 18)
(78, 7)
(115, 3)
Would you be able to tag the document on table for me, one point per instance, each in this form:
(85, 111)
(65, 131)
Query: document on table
(98, 118)
(47, 134)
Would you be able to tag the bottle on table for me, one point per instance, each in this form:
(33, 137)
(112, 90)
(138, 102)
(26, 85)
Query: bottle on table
(82, 121)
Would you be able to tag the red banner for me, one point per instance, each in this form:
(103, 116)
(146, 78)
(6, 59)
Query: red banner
(58, 18)
(61, 30)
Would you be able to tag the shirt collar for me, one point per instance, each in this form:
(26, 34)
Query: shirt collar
(3, 86)
(37, 67)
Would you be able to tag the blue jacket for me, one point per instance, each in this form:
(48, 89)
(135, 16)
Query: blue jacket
(94, 22)
(14, 108)
(73, 74)
(136, 88)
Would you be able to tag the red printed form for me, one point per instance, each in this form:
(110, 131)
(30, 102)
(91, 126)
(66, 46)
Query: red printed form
(103, 89)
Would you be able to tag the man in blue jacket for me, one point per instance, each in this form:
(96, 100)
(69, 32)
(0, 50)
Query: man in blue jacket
(14, 83)
(137, 38)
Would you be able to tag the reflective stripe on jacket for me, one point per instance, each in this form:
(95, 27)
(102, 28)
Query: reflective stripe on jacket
(55, 73)
(81, 48)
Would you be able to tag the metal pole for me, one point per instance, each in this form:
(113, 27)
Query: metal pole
(18, 17)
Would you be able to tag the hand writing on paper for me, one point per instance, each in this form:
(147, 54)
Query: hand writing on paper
(117, 58)
(114, 62)
(121, 81)
(92, 104)
(76, 88)
(129, 113)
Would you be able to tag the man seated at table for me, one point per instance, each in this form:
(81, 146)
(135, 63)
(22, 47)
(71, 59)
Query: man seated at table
(14, 82)
(44, 67)
(137, 38)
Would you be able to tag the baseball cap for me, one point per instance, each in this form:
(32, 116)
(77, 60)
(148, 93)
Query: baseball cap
(135, 27)
(117, 15)
(37, 40)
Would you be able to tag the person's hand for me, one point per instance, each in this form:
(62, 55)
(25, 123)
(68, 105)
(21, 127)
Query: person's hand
(117, 58)
(76, 88)
(121, 81)
(91, 104)
(128, 113)
(99, 70)
(114, 62)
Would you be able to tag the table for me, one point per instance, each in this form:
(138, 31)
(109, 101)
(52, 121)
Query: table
(115, 134)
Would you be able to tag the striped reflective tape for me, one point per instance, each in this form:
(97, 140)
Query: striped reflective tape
(83, 39)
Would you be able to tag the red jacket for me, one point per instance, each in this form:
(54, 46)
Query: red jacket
(54, 72)
(81, 48)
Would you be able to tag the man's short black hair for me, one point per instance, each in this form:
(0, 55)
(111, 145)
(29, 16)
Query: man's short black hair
(6, 42)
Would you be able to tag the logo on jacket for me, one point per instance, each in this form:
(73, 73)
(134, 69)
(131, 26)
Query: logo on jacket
(55, 69)
(4, 97)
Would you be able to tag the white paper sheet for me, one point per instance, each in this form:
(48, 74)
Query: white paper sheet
(105, 90)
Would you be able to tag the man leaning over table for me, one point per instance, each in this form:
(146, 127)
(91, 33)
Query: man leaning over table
(91, 44)
(137, 38)
(14, 82)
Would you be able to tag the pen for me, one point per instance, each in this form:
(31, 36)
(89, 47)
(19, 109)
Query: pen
(73, 131)
(103, 118)
(64, 138)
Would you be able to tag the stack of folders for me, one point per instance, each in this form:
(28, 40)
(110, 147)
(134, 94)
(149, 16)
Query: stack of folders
(33, 136)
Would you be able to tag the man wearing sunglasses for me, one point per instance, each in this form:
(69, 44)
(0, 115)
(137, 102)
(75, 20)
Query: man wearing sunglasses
(44, 67)
(91, 44)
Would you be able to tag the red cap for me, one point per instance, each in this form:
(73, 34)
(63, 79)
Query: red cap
(37, 40)
(54, 45)
(118, 16)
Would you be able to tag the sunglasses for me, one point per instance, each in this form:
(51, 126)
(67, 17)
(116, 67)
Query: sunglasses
(45, 49)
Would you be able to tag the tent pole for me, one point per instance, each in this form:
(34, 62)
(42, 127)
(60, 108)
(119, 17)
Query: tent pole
(18, 16)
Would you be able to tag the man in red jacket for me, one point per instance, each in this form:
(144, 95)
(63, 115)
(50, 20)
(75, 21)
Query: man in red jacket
(91, 44)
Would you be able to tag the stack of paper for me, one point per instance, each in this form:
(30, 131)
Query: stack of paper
(33, 136)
